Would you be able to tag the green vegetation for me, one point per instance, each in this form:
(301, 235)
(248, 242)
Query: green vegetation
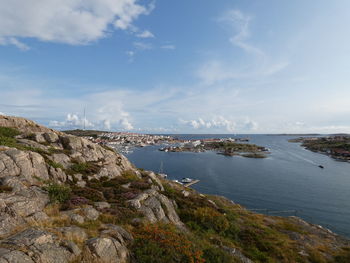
(86, 168)
(54, 164)
(58, 193)
(232, 147)
(226, 224)
(164, 243)
(8, 132)
(7, 136)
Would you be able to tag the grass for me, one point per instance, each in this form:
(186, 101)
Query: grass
(54, 164)
(58, 193)
(87, 168)
(8, 132)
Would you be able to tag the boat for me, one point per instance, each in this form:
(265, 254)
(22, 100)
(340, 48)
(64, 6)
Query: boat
(177, 181)
(186, 180)
(321, 166)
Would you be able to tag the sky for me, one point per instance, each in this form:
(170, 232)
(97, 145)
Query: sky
(184, 66)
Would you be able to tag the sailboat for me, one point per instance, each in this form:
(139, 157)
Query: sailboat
(161, 173)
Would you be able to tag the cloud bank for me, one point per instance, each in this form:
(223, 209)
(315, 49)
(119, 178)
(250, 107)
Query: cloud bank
(74, 22)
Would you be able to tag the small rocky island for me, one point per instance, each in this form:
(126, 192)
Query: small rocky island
(336, 146)
(228, 147)
(66, 199)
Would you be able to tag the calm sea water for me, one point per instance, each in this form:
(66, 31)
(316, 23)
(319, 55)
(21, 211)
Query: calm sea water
(289, 179)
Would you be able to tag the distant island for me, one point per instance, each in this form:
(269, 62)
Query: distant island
(228, 147)
(336, 146)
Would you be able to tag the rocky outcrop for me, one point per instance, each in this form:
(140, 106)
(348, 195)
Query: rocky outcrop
(26, 165)
(156, 207)
(34, 245)
(23, 125)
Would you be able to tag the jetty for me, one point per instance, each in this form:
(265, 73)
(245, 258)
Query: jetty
(191, 183)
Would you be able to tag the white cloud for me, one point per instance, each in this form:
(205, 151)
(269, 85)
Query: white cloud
(218, 122)
(142, 46)
(145, 34)
(257, 64)
(250, 125)
(73, 22)
(168, 46)
(13, 41)
(240, 23)
(2, 113)
(125, 123)
(72, 121)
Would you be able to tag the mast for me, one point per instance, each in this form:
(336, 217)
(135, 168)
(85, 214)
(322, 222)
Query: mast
(84, 118)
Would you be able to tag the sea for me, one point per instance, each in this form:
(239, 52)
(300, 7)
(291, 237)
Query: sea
(289, 182)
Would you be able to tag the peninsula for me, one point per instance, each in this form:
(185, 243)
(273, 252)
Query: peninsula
(336, 146)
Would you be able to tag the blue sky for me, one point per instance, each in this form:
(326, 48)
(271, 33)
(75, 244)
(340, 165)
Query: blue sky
(195, 66)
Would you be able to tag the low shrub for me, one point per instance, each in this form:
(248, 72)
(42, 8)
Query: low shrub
(84, 168)
(8, 132)
(75, 201)
(216, 255)
(88, 193)
(162, 243)
(343, 256)
(58, 193)
(206, 218)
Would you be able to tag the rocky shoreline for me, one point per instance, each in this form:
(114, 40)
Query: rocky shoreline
(66, 199)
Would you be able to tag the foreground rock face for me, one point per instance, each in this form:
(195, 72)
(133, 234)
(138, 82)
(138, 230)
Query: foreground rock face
(46, 155)
(89, 229)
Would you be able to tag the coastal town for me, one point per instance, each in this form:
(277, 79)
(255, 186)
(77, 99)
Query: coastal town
(124, 142)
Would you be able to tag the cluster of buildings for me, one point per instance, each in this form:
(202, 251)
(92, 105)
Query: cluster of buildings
(125, 141)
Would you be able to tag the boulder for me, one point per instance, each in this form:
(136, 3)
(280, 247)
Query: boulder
(156, 207)
(51, 137)
(90, 213)
(107, 249)
(102, 205)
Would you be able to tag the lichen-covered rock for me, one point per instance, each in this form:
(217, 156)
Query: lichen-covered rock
(14, 256)
(40, 246)
(51, 137)
(26, 165)
(57, 174)
(23, 125)
(16, 207)
(62, 159)
(156, 207)
(90, 213)
(108, 250)
(155, 179)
